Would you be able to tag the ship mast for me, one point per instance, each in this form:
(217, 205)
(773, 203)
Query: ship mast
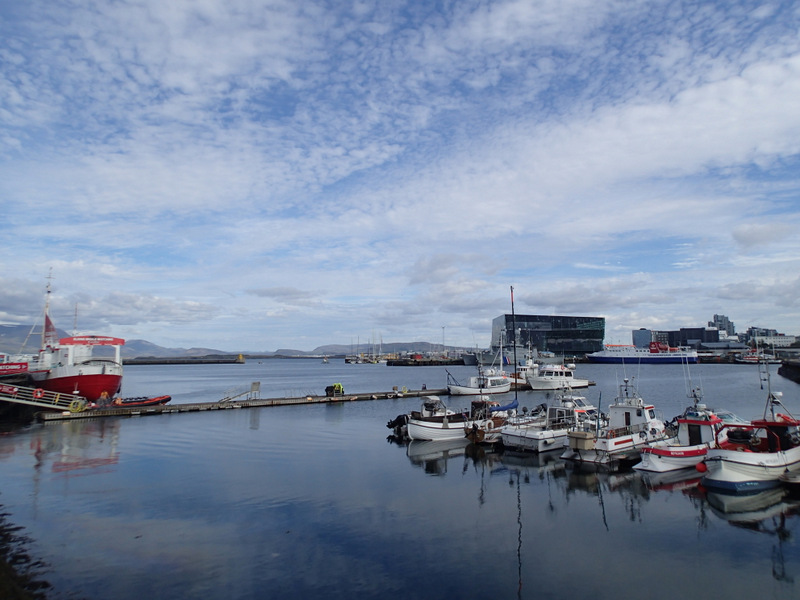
(46, 308)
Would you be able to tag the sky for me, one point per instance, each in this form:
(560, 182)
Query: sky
(249, 175)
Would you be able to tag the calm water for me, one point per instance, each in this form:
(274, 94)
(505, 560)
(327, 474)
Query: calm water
(313, 501)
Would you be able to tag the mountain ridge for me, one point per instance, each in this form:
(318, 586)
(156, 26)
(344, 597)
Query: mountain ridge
(13, 337)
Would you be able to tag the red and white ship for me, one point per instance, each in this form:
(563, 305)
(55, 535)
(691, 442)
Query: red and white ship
(86, 365)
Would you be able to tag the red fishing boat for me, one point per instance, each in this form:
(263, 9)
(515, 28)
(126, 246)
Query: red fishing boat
(86, 365)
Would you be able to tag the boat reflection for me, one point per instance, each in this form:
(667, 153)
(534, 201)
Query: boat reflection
(89, 446)
(671, 481)
(433, 456)
(769, 512)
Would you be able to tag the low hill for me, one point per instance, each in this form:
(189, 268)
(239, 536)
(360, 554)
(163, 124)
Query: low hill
(13, 341)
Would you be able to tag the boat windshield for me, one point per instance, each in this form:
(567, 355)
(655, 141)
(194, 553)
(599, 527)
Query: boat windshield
(728, 417)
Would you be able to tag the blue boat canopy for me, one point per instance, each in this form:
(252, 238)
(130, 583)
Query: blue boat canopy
(511, 406)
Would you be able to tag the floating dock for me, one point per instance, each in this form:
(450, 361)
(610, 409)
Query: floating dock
(248, 399)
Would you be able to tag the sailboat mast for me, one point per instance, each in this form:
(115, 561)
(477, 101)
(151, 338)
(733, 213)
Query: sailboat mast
(514, 332)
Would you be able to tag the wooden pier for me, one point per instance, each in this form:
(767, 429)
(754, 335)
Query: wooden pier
(247, 400)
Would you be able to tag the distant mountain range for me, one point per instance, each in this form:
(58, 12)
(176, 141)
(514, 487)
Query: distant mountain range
(12, 338)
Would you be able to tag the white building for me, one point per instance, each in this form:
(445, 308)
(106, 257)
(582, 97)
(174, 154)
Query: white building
(775, 341)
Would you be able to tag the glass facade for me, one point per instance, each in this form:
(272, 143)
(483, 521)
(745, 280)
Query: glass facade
(551, 333)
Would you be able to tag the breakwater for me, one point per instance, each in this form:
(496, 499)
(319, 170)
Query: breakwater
(185, 360)
(790, 369)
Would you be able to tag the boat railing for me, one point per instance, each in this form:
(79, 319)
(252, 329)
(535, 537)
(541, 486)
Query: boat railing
(626, 430)
(91, 362)
(41, 398)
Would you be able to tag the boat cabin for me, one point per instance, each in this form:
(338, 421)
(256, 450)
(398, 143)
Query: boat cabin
(697, 426)
(629, 414)
(780, 435)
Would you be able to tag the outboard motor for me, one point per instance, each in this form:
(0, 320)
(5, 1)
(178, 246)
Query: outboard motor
(398, 421)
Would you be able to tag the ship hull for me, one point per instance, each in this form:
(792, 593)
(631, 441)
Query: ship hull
(90, 386)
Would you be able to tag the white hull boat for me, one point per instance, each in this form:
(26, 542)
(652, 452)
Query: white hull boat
(747, 472)
(549, 432)
(554, 377)
(632, 425)
(438, 429)
(658, 353)
(698, 427)
(485, 382)
(758, 456)
(433, 422)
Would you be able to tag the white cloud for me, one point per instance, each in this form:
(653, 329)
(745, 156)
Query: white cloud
(322, 169)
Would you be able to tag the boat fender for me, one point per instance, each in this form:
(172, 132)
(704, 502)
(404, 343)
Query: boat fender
(38, 393)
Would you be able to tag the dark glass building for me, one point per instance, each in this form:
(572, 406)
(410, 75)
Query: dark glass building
(552, 333)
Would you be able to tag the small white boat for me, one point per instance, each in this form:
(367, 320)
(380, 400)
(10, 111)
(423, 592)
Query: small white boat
(698, 428)
(435, 422)
(554, 377)
(547, 430)
(519, 378)
(485, 382)
(632, 425)
(755, 456)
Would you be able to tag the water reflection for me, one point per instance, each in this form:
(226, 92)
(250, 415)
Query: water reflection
(434, 456)
(309, 501)
(88, 446)
(768, 512)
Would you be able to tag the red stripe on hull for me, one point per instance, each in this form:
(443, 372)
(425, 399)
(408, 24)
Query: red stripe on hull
(90, 387)
(676, 453)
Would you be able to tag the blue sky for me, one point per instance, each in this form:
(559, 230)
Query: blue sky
(254, 175)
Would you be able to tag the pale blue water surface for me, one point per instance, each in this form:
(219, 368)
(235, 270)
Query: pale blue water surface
(314, 501)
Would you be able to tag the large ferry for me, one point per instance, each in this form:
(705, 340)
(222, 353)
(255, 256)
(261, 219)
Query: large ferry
(657, 353)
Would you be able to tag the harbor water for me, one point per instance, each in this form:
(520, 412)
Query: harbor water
(316, 501)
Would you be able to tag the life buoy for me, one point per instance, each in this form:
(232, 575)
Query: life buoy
(38, 393)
